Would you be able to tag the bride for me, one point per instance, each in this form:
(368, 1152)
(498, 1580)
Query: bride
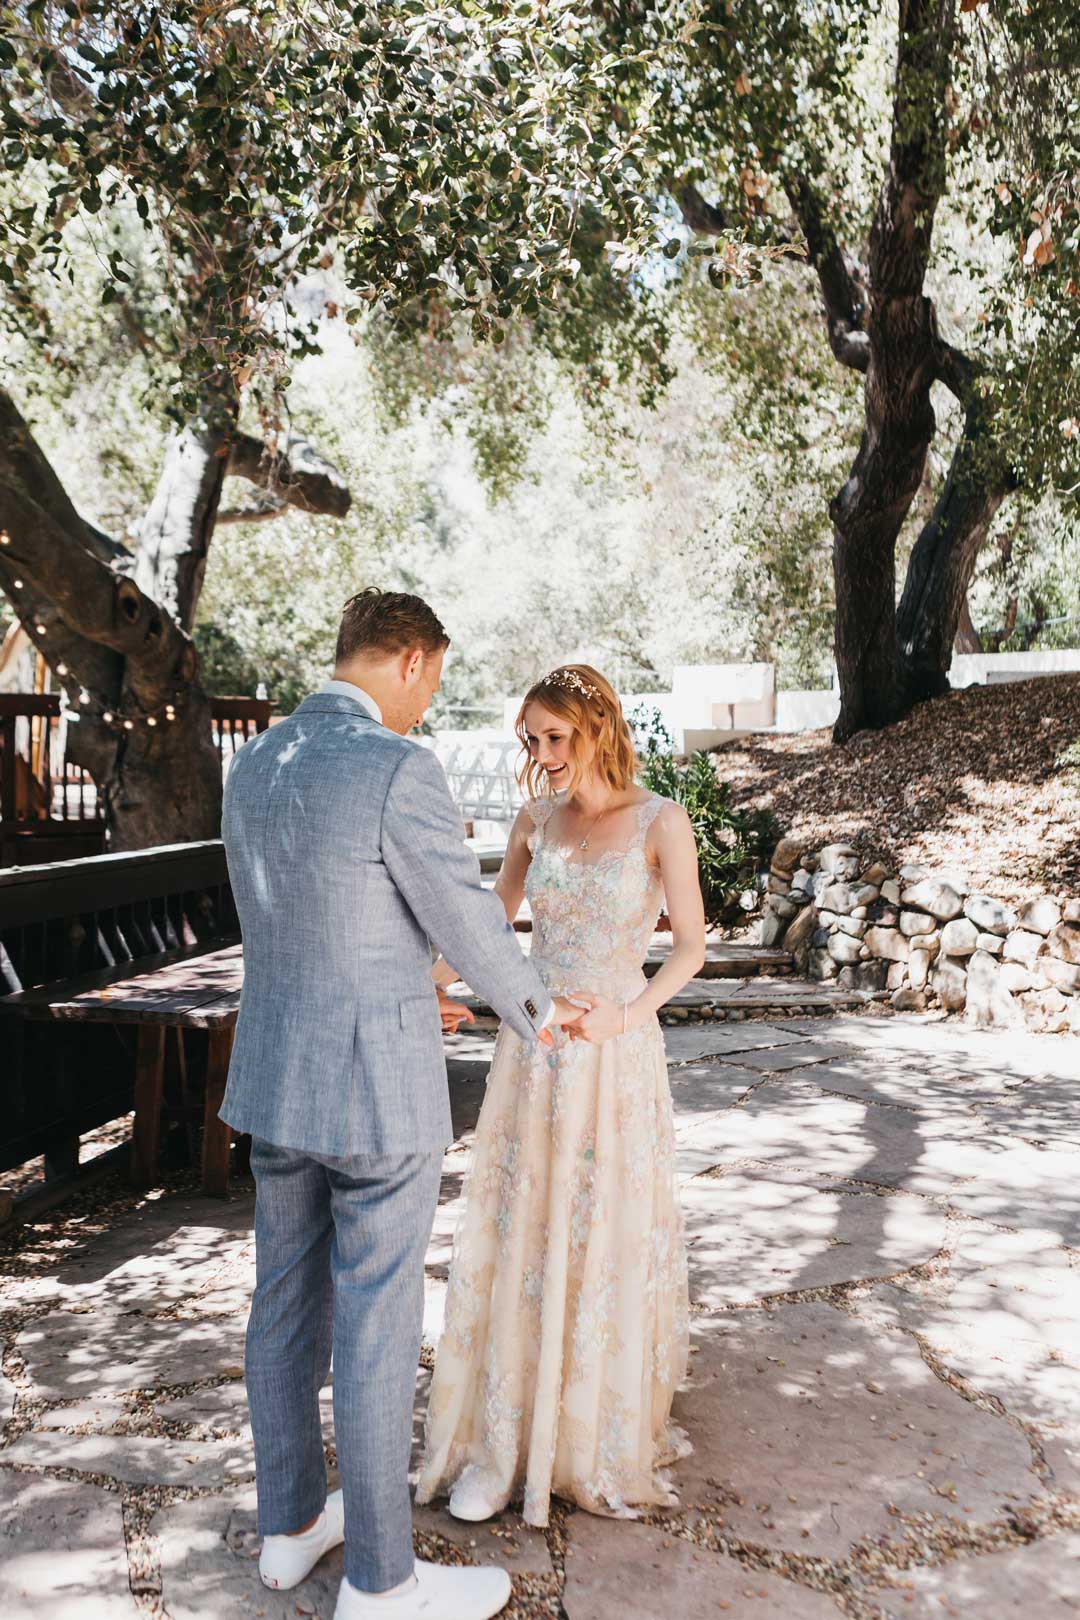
(566, 1316)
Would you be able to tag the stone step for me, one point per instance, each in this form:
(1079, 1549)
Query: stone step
(711, 998)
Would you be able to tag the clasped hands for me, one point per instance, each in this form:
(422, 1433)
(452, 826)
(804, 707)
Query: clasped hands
(581, 1016)
(585, 1017)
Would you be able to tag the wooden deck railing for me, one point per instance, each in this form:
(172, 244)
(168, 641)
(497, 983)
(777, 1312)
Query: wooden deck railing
(50, 808)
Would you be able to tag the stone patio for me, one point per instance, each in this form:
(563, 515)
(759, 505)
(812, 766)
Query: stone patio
(883, 1220)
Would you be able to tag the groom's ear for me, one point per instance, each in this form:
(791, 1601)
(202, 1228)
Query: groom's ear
(412, 662)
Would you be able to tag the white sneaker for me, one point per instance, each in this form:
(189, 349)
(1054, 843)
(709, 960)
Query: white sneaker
(287, 1560)
(441, 1592)
(468, 1501)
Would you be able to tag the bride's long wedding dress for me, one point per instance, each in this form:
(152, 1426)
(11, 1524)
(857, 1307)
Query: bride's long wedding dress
(567, 1313)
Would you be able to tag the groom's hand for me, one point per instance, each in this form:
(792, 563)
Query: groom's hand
(567, 1013)
(453, 1014)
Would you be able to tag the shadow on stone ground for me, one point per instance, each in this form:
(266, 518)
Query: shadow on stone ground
(883, 1220)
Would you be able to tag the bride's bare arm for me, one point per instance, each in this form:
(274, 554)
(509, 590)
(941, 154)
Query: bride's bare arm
(671, 839)
(509, 885)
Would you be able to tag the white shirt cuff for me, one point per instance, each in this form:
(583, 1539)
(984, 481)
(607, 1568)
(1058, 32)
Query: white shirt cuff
(550, 1018)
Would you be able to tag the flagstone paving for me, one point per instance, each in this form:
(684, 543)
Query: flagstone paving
(883, 1233)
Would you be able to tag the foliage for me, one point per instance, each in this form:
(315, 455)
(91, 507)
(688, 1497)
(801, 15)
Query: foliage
(731, 843)
(444, 155)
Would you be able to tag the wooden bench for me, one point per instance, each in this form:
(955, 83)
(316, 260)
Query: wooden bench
(85, 927)
(192, 990)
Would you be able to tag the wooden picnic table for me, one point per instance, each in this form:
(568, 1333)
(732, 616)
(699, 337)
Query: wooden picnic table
(175, 990)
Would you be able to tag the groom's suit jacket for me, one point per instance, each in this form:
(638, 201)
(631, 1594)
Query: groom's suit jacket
(347, 856)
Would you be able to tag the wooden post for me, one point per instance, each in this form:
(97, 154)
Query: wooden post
(217, 1136)
(149, 1084)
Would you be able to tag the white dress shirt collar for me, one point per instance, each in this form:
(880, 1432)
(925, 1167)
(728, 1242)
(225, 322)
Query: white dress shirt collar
(349, 690)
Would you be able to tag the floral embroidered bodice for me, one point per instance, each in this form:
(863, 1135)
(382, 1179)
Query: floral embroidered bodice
(593, 915)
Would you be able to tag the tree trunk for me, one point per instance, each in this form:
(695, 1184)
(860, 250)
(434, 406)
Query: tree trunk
(115, 627)
(942, 563)
(967, 639)
(164, 783)
(870, 509)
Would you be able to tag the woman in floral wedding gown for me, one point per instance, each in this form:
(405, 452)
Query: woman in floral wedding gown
(566, 1322)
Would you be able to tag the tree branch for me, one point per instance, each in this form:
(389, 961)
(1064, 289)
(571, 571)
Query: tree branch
(175, 534)
(69, 587)
(841, 281)
(698, 214)
(296, 476)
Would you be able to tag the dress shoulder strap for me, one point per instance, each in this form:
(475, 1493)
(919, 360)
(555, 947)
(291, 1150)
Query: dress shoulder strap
(539, 812)
(647, 814)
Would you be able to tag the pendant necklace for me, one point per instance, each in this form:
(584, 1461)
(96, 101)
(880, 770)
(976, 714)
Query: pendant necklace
(584, 844)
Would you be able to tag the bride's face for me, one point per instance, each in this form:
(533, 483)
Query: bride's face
(550, 742)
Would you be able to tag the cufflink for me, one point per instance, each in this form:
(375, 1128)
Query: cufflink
(530, 1008)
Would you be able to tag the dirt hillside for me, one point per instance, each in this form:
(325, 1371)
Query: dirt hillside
(986, 780)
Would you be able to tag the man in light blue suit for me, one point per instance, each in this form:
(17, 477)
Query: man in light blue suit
(348, 863)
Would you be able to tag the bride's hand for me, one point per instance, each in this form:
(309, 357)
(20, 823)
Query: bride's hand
(603, 1021)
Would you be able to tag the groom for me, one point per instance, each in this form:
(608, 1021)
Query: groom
(348, 864)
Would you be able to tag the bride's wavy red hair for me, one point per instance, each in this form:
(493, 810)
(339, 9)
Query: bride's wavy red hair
(600, 739)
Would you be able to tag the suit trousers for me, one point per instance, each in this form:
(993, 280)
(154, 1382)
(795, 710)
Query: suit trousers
(339, 1261)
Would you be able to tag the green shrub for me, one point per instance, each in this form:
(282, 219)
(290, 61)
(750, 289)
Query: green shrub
(732, 844)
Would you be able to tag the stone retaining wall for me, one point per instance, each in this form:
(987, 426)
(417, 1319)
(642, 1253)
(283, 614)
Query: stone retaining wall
(925, 938)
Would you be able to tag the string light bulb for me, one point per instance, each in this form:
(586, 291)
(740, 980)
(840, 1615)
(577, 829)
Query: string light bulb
(129, 725)
(150, 720)
(84, 696)
(107, 717)
(61, 669)
(17, 584)
(5, 538)
(40, 628)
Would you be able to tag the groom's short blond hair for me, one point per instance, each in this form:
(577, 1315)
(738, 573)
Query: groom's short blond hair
(387, 622)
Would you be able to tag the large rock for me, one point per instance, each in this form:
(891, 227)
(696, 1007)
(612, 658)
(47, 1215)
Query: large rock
(1061, 975)
(784, 908)
(837, 897)
(1016, 977)
(1039, 916)
(839, 861)
(1023, 946)
(62, 1553)
(786, 855)
(949, 983)
(959, 937)
(842, 948)
(821, 964)
(890, 891)
(919, 969)
(876, 874)
(989, 1004)
(930, 943)
(802, 882)
(1064, 943)
(914, 922)
(637, 1573)
(855, 926)
(989, 942)
(1046, 1011)
(934, 896)
(800, 929)
(989, 915)
(1070, 911)
(888, 943)
(770, 929)
(908, 999)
